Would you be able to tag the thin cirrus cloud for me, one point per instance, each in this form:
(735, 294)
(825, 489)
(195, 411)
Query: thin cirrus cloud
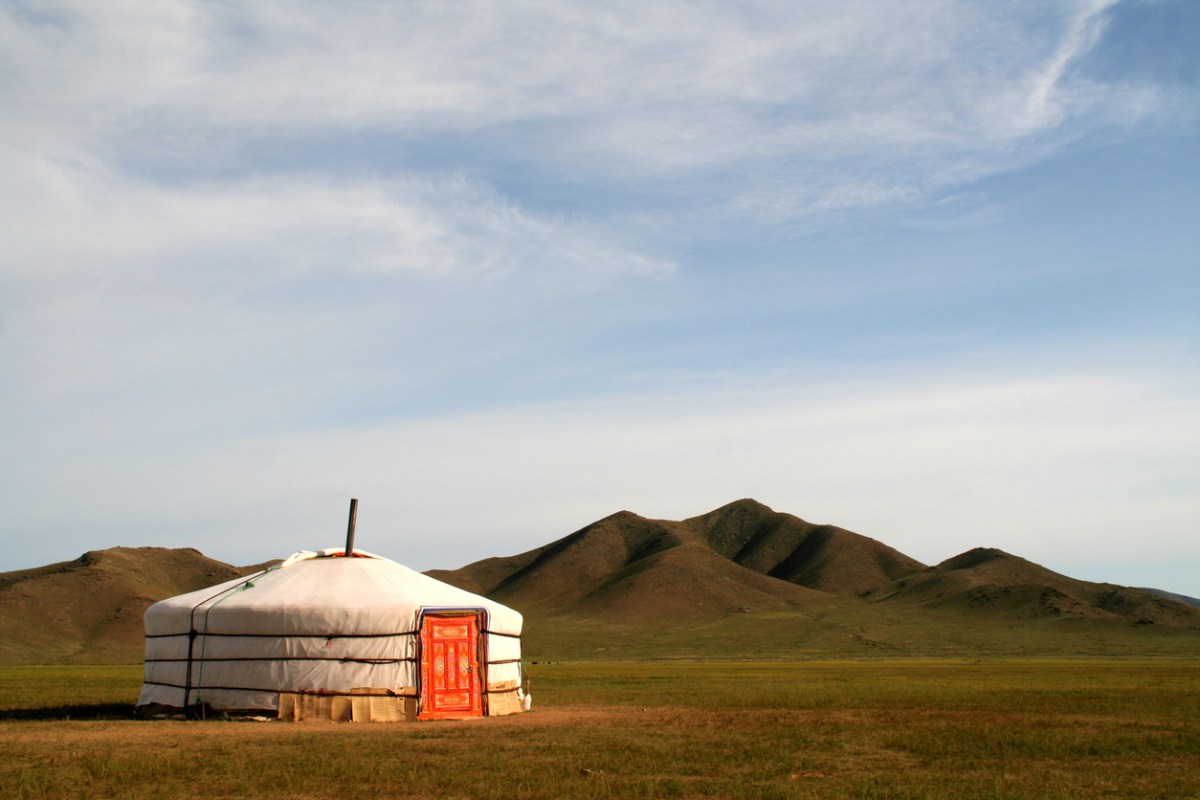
(764, 114)
(899, 101)
(81, 216)
(267, 254)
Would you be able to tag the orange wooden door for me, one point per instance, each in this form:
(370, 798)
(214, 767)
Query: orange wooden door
(450, 680)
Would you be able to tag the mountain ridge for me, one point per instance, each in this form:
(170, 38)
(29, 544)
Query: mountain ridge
(745, 538)
(794, 580)
(992, 580)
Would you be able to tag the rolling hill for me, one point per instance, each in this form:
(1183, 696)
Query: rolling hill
(746, 557)
(742, 555)
(990, 581)
(90, 610)
(741, 581)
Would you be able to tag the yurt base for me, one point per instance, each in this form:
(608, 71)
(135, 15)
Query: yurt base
(375, 705)
(361, 705)
(504, 699)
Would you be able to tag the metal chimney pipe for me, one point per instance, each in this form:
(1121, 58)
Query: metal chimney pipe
(350, 527)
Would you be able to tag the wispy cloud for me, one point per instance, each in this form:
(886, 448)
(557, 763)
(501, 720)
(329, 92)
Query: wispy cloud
(252, 252)
(82, 215)
(843, 104)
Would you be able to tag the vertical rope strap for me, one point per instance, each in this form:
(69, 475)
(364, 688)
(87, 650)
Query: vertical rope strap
(193, 633)
(249, 584)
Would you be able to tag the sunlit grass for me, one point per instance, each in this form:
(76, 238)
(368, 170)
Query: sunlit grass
(893, 729)
(34, 692)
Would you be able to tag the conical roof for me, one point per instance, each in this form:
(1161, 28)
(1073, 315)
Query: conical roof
(322, 592)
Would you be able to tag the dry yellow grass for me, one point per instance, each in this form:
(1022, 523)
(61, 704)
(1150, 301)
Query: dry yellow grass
(895, 729)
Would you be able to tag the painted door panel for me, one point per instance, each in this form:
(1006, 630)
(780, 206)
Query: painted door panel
(450, 675)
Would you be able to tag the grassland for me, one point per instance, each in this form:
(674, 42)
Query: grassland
(847, 628)
(1067, 728)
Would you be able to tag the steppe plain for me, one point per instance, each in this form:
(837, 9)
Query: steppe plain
(742, 654)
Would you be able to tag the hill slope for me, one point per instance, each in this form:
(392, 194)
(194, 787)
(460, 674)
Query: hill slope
(821, 557)
(990, 581)
(1183, 598)
(90, 610)
(740, 556)
(746, 557)
(742, 581)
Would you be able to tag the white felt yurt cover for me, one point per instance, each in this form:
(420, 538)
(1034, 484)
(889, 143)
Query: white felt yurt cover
(317, 622)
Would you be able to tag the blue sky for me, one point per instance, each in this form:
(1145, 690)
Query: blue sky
(925, 271)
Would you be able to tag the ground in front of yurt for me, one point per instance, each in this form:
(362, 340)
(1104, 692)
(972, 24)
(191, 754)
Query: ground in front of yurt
(1022, 728)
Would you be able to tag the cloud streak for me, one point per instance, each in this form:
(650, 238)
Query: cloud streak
(260, 256)
(81, 216)
(842, 96)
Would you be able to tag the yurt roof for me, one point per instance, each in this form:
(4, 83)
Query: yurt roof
(323, 590)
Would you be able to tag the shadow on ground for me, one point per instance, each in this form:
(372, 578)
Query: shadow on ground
(79, 712)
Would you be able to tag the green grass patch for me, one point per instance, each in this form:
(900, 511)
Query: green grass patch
(847, 628)
(69, 692)
(1066, 728)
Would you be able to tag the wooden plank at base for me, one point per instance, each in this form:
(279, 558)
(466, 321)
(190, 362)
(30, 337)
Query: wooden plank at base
(372, 705)
(341, 709)
(504, 703)
(361, 705)
(287, 706)
(315, 707)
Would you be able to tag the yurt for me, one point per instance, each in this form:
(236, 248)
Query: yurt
(339, 634)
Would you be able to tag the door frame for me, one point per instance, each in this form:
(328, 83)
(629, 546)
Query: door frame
(481, 618)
